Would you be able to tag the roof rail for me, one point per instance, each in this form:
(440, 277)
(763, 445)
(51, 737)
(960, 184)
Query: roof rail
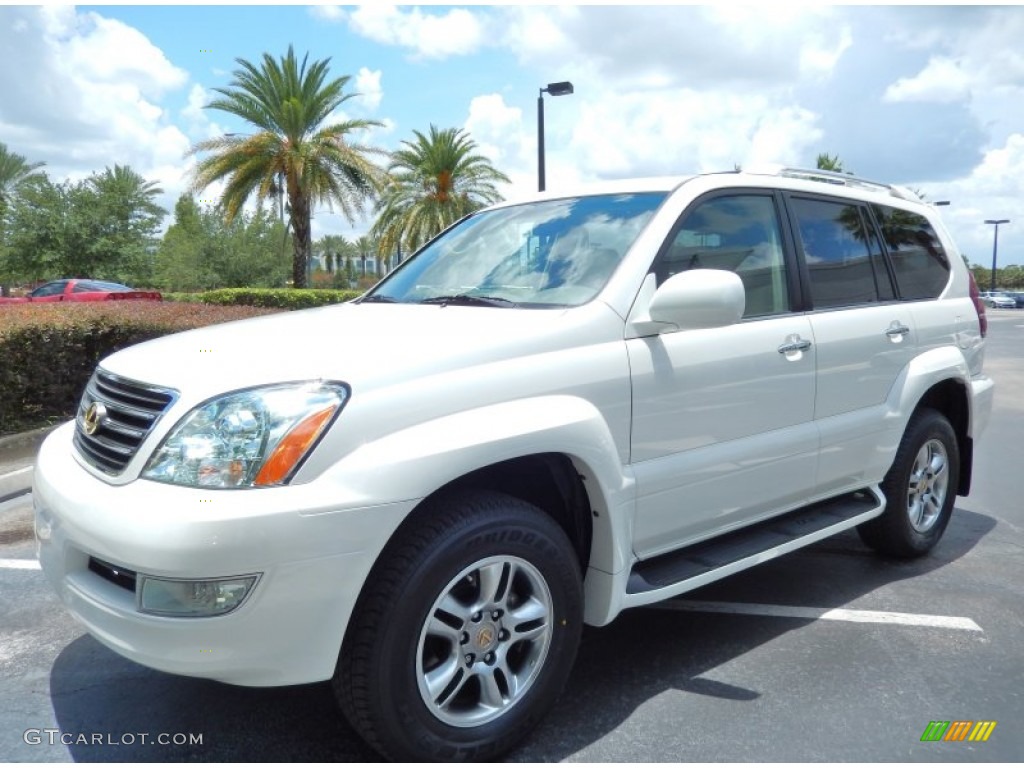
(833, 177)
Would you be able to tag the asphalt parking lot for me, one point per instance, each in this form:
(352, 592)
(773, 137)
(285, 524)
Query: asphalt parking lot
(829, 654)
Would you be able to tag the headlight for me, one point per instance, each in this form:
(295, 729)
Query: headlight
(252, 438)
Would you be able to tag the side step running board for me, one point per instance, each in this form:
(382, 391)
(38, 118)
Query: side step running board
(694, 566)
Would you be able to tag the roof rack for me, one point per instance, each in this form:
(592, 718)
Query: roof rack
(833, 177)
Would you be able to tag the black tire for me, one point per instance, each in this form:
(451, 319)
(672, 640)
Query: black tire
(527, 638)
(920, 489)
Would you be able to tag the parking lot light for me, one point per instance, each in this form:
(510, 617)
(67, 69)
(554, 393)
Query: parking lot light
(995, 248)
(563, 88)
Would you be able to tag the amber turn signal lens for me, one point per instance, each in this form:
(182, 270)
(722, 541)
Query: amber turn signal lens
(293, 447)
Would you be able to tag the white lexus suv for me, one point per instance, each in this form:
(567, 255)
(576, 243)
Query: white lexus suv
(557, 409)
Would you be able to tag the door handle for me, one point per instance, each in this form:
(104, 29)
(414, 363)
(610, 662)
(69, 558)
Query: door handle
(897, 330)
(796, 345)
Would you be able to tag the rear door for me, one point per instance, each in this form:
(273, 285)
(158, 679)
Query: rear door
(864, 335)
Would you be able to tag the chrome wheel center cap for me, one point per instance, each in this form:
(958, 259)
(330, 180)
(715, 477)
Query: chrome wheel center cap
(486, 637)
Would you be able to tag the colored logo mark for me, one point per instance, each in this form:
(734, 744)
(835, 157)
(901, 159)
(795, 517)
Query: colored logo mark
(958, 730)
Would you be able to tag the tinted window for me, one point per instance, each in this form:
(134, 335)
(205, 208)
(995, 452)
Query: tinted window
(50, 289)
(843, 258)
(918, 260)
(738, 233)
(86, 286)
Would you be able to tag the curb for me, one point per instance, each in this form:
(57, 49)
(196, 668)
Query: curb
(17, 454)
(16, 483)
(14, 447)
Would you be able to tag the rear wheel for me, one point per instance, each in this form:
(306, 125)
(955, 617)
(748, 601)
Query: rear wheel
(465, 633)
(920, 489)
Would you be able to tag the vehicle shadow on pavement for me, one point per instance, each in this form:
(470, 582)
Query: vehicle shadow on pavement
(102, 701)
(649, 652)
(95, 691)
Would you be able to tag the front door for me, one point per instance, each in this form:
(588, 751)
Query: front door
(723, 429)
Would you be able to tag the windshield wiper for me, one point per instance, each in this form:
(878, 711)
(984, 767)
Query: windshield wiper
(468, 299)
(379, 297)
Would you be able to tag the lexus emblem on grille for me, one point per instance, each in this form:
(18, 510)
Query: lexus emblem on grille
(94, 417)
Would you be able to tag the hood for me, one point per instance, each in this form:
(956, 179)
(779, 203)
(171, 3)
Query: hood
(364, 345)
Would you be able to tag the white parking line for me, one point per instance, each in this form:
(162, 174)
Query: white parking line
(20, 565)
(829, 614)
(15, 473)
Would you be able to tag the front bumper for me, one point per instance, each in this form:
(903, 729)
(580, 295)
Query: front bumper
(312, 559)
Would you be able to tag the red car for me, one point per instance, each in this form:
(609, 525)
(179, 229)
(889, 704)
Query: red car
(81, 290)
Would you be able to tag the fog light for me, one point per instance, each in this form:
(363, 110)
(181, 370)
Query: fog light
(209, 597)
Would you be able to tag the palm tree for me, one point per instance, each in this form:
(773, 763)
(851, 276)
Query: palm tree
(288, 103)
(15, 170)
(128, 191)
(333, 248)
(828, 162)
(435, 181)
(365, 245)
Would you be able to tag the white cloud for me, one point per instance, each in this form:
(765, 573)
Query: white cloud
(684, 131)
(427, 35)
(993, 190)
(88, 94)
(819, 54)
(328, 12)
(496, 127)
(108, 51)
(696, 47)
(1001, 173)
(942, 80)
(197, 117)
(368, 86)
(786, 135)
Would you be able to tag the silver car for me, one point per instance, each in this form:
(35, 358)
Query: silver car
(998, 300)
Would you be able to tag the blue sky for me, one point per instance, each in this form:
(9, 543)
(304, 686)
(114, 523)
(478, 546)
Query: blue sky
(206, 41)
(927, 96)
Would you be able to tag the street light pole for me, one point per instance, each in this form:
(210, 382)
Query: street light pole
(555, 89)
(995, 248)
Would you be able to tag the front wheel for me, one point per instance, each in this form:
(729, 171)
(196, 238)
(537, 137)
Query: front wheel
(465, 633)
(920, 489)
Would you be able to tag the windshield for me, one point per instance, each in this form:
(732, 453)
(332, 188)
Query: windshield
(556, 253)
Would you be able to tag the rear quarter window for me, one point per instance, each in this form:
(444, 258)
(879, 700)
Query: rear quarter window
(919, 262)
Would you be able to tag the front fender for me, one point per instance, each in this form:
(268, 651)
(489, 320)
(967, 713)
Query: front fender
(414, 462)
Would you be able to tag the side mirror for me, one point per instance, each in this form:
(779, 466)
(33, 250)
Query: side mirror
(697, 298)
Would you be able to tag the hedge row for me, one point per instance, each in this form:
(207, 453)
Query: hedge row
(279, 298)
(49, 351)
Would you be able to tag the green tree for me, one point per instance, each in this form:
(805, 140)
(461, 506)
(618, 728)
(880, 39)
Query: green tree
(201, 250)
(435, 181)
(350, 270)
(333, 249)
(126, 220)
(15, 171)
(103, 227)
(365, 247)
(183, 260)
(288, 104)
(41, 229)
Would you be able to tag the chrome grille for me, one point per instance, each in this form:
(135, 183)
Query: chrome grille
(132, 408)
